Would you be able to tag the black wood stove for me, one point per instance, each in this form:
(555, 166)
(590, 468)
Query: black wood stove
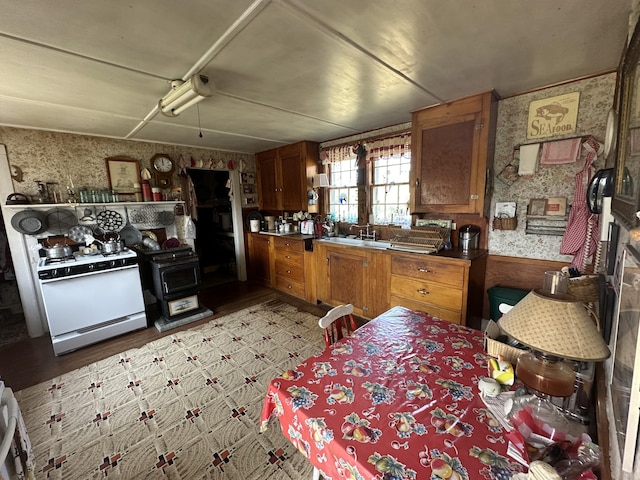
(173, 277)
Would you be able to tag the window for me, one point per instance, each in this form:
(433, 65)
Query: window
(381, 194)
(343, 192)
(390, 189)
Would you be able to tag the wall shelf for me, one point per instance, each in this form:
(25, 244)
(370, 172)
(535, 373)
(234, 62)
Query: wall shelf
(47, 206)
(546, 224)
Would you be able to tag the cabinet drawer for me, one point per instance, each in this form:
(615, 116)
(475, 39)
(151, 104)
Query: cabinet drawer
(429, 270)
(288, 244)
(287, 256)
(453, 316)
(294, 272)
(427, 292)
(290, 287)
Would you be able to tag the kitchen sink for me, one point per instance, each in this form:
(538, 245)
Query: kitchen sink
(357, 242)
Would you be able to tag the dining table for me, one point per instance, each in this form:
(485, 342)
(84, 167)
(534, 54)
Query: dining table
(397, 400)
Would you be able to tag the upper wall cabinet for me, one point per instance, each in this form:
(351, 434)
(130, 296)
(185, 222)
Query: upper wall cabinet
(284, 176)
(452, 153)
(626, 196)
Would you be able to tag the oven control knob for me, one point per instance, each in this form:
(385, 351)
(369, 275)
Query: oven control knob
(113, 263)
(92, 267)
(67, 271)
(54, 272)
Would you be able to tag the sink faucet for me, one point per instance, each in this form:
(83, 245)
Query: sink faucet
(363, 235)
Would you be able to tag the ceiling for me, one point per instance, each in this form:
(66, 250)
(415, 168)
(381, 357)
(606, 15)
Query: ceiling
(285, 70)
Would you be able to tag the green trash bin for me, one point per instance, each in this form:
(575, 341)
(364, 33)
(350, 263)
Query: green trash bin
(500, 295)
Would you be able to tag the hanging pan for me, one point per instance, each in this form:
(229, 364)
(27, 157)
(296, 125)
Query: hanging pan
(29, 222)
(129, 234)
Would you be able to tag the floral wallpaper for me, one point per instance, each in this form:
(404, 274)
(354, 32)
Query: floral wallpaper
(64, 158)
(596, 98)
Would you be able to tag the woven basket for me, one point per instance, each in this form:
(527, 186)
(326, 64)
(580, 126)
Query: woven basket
(584, 288)
(498, 349)
(505, 223)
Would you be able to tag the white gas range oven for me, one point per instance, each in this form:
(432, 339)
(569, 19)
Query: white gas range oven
(89, 298)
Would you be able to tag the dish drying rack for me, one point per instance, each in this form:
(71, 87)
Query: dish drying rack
(426, 239)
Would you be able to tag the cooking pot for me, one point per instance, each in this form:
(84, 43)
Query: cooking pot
(468, 237)
(57, 251)
(600, 186)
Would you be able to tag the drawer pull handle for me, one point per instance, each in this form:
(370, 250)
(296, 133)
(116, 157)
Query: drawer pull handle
(423, 270)
(289, 287)
(422, 291)
(288, 271)
(287, 256)
(287, 244)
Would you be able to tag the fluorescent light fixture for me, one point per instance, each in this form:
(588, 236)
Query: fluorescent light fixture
(183, 94)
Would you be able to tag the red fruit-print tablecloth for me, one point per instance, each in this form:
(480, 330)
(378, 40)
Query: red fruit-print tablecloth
(398, 400)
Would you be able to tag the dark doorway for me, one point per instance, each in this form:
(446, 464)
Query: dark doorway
(215, 238)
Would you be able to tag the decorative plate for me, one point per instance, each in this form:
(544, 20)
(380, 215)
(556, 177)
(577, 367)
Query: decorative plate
(610, 132)
(109, 220)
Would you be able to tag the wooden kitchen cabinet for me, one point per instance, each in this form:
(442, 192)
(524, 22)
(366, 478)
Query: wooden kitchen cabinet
(447, 286)
(352, 275)
(259, 258)
(452, 155)
(284, 176)
(289, 266)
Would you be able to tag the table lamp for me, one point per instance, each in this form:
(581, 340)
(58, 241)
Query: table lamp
(555, 328)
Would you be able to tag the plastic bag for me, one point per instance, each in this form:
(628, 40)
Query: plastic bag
(189, 228)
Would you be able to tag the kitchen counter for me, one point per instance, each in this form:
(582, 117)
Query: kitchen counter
(294, 235)
(386, 245)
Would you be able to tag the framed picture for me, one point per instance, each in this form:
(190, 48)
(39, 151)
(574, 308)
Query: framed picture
(537, 206)
(123, 173)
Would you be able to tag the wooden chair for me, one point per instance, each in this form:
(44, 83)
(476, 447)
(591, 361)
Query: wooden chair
(337, 323)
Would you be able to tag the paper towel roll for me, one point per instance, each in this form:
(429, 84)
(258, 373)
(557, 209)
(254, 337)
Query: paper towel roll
(528, 159)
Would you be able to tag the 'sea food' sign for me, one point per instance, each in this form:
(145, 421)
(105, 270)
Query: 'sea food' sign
(553, 116)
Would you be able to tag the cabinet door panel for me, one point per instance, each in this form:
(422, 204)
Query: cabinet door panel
(259, 259)
(293, 181)
(267, 185)
(451, 149)
(347, 279)
(446, 151)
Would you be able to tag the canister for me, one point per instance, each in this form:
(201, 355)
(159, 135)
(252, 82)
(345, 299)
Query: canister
(468, 237)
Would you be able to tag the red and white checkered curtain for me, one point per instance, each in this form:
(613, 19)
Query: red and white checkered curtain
(581, 235)
(397, 145)
(393, 145)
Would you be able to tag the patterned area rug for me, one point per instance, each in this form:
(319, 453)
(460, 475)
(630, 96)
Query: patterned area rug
(186, 406)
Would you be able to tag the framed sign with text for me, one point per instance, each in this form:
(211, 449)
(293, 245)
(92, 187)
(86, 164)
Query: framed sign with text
(552, 117)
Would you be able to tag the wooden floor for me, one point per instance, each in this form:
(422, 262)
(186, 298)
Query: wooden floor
(32, 361)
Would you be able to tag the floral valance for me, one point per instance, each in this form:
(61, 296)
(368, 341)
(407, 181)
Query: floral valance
(395, 145)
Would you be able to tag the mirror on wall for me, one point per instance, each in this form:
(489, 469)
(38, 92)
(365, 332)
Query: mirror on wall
(626, 197)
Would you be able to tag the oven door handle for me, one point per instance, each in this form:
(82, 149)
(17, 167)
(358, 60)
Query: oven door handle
(86, 274)
(165, 287)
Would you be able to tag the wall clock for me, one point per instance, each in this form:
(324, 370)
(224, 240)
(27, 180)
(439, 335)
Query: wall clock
(163, 167)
